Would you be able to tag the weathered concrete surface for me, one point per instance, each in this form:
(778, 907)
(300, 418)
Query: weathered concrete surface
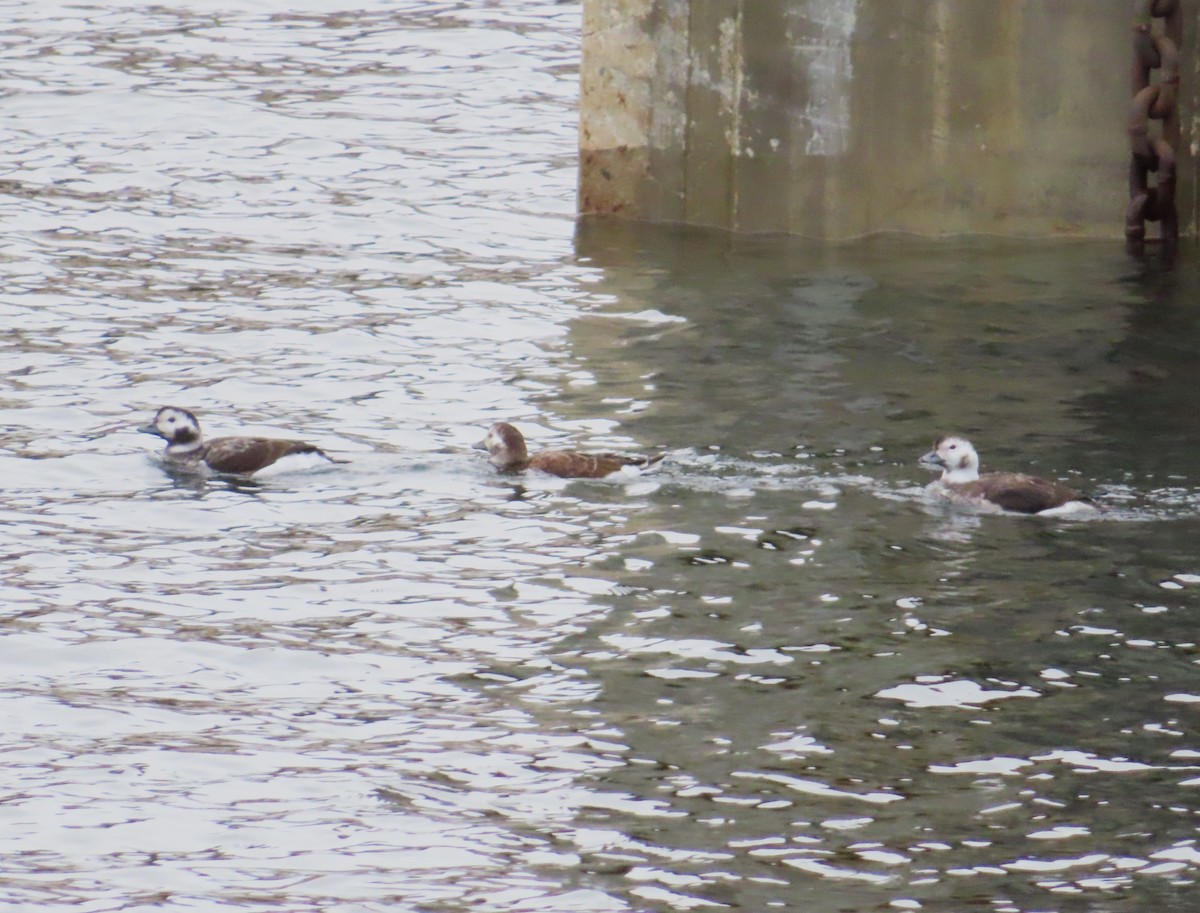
(838, 118)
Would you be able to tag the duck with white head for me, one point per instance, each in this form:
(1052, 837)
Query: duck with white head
(187, 449)
(958, 462)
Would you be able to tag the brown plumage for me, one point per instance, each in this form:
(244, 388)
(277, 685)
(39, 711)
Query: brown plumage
(187, 449)
(958, 462)
(507, 452)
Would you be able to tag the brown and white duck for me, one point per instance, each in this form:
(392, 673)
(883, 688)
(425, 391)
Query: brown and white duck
(961, 481)
(187, 450)
(507, 452)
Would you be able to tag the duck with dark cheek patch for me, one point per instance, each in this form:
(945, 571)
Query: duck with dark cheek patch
(961, 481)
(507, 452)
(187, 450)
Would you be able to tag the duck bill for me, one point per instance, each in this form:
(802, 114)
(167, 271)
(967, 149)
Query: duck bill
(149, 429)
(932, 461)
(481, 445)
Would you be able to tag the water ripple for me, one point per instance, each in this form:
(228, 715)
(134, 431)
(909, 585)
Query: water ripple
(768, 675)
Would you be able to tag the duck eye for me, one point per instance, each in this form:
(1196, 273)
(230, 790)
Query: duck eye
(954, 446)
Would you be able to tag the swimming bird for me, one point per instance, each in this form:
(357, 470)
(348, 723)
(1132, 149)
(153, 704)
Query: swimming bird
(961, 481)
(186, 448)
(507, 452)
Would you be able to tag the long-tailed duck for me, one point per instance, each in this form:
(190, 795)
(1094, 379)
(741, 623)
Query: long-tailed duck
(186, 448)
(958, 462)
(507, 452)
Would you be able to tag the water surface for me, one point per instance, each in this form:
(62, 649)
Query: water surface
(769, 675)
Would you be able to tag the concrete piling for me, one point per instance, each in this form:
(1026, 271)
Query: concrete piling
(833, 119)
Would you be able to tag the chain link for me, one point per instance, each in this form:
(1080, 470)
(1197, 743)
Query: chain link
(1159, 101)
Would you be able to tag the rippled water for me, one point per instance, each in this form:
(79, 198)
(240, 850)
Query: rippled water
(769, 675)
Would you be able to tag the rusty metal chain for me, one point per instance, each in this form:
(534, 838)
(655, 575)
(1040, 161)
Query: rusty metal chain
(1159, 101)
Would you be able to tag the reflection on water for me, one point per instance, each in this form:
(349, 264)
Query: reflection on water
(843, 696)
(768, 674)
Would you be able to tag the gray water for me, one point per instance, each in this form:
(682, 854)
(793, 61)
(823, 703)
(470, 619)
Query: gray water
(769, 675)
